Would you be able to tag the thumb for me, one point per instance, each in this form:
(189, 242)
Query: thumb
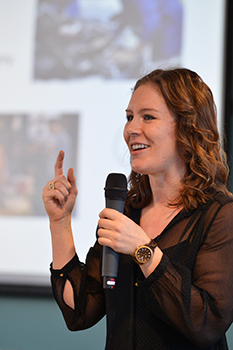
(71, 178)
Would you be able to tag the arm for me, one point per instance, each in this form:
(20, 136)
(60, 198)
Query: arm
(197, 301)
(59, 204)
(194, 298)
(76, 286)
(86, 280)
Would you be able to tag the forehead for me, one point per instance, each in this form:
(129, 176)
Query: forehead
(147, 96)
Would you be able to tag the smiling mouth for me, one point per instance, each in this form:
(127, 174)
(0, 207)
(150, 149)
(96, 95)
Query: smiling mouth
(139, 146)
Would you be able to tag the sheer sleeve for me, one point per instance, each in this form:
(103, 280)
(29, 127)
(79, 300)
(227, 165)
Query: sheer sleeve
(198, 301)
(86, 281)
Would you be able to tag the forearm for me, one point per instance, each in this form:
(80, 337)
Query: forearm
(149, 267)
(87, 305)
(173, 298)
(63, 251)
(63, 248)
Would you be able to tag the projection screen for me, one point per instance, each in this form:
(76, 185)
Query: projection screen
(66, 73)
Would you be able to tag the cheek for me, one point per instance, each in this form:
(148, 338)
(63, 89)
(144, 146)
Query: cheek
(125, 135)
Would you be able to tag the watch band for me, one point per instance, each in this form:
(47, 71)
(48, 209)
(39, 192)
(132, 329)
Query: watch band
(152, 244)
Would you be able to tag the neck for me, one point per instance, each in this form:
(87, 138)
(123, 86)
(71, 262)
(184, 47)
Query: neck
(165, 189)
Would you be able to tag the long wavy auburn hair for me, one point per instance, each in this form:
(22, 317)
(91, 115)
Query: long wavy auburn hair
(191, 101)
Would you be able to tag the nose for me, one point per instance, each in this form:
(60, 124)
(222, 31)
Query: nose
(133, 127)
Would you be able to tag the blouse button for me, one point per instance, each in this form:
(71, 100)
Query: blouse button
(136, 284)
(61, 275)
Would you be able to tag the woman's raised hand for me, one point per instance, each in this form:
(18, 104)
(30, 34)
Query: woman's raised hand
(59, 194)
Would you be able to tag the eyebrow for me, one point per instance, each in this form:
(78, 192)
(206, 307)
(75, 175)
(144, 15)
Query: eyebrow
(144, 110)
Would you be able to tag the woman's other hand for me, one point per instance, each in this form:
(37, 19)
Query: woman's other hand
(60, 200)
(119, 232)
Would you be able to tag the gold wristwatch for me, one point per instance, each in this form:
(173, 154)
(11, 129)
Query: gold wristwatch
(144, 253)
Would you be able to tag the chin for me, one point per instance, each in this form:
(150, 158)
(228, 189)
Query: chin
(137, 166)
(139, 170)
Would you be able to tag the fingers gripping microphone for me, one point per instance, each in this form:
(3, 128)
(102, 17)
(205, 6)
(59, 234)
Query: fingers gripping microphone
(115, 195)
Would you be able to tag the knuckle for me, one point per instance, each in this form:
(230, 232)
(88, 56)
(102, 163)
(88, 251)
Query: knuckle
(100, 232)
(119, 226)
(117, 239)
(76, 191)
(117, 245)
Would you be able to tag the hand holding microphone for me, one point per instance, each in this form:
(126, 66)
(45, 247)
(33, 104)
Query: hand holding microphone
(115, 195)
(117, 232)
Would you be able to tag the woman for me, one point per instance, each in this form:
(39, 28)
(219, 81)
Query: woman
(179, 294)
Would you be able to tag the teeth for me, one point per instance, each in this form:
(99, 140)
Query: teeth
(139, 146)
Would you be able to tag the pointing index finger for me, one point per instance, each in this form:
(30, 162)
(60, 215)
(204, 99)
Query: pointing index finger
(59, 164)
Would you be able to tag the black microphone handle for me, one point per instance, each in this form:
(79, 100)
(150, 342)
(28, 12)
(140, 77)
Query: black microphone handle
(117, 204)
(110, 265)
(110, 257)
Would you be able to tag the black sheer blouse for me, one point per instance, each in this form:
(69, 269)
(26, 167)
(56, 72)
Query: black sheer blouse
(186, 303)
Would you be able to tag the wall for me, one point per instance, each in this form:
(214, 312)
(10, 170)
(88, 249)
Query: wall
(37, 324)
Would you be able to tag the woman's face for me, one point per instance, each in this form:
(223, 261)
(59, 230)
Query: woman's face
(150, 133)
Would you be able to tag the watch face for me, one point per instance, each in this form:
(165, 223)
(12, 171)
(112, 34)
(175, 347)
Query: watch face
(144, 254)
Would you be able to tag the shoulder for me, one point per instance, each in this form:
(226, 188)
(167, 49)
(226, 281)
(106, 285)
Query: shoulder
(217, 213)
(218, 201)
(222, 205)
(222, 198)
(220, 213)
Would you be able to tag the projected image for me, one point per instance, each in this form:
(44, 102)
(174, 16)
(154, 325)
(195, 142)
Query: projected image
(29, 145)
(113, 39)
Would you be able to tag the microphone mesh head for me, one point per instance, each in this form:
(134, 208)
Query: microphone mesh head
(116, 186)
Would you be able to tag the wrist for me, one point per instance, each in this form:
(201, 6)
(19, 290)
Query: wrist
(145, 252)
(61, 224)
(148, 268)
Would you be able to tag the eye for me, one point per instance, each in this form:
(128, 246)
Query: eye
(148, 117)
(129, 117)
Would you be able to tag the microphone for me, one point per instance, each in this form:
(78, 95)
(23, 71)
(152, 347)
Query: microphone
(115, 195)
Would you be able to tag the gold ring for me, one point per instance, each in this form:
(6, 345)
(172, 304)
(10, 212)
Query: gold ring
(51, 186)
